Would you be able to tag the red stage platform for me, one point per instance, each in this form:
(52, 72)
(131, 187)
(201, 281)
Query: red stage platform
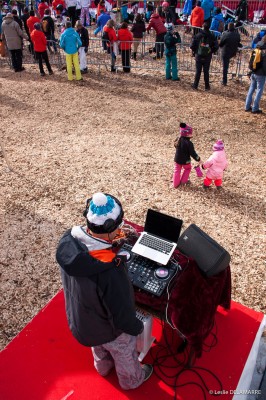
(44, 362)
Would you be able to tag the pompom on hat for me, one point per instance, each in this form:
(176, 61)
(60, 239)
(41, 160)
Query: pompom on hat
(104, 213)
(218, 146)
(186, 130)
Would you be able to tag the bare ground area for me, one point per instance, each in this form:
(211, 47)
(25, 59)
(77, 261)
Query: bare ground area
(115, 133)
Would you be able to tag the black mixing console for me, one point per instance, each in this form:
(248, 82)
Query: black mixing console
(146, 274)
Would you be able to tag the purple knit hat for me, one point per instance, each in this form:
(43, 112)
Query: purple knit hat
(219, 145)
(185, 130)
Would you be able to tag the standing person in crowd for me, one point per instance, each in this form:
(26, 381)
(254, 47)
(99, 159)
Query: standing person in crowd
(101, 22)
(257, 79)
(169, 15)
(78, 10)
(101, 6)
(197, 17)
(184, 151)
(32, 20)
(215, 165)
(70, 42)
(170, 40)
(16, 18)
(241, 12)
(39, 44)
(58, 10)
(208, 6)
(21, 4)
(13, 35)
(99, 296)
(42, 7)
(138, 28)
(230, 42)
(48, 29)
(112, 41)
(24, 19)
(157, 24)
(204, 44)
(126, 38)
(85, 16)
(217, 24)
(83, 50)
(71, 10)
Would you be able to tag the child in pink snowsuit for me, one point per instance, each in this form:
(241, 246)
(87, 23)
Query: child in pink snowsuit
(215, 166)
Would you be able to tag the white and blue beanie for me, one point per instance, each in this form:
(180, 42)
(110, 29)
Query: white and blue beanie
(103, 207)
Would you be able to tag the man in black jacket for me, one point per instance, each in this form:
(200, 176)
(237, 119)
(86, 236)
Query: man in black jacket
(203, 45)
(99, 296)
(230, 42)
(48, 30)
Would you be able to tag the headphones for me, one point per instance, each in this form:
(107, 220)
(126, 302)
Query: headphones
(110, 225)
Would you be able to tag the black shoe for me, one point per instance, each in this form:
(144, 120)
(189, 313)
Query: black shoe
(207, 88)
(148, 369)
(194, 87)
(223, 83)
(257, 112)
(249, 109)
(42, 73)
(51, 73)
(169, 79)
(84, 71)
(206, 187)
(218, 187)
(113, 69)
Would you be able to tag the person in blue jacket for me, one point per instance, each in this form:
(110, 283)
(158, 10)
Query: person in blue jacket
(208, 6)
(101, 21)
(217, 22)
(70, 42)
(258, 38)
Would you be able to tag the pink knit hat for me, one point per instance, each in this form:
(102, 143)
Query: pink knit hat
(219, 145)
(185, 130)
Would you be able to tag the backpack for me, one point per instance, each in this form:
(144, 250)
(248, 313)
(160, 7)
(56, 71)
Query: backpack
(255, 60)
(204, 48)
(45, 26)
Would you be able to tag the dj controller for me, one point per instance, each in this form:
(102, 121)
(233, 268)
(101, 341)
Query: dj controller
(146, 274)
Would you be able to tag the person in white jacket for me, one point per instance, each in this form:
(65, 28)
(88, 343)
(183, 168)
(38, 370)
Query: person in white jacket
(215, 166)
(85, 12)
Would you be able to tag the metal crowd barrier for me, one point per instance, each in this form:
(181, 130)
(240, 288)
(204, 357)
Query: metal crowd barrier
(99, 56)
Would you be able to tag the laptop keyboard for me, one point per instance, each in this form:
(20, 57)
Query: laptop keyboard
(156, 244)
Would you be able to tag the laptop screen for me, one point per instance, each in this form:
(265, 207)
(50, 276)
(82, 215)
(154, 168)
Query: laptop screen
(163, 225)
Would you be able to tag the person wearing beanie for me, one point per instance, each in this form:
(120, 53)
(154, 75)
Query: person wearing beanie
(184, 151)
(157, 24)
(70, 42)
(13, 35)
(215, 166)
(99, 296)
(170, 40)
(83, 50)
(39, 45)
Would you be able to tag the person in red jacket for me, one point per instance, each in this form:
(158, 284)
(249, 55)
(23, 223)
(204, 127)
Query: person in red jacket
(39, 44)
(32, 20)
(197, 17)
(157, 24)
(111, 38)
(42, 7)
(126, 39)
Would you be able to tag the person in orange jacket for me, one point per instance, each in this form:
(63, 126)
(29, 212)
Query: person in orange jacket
(126, 39)
(197, 17)
(109, 31)
(39, 44)
(101, 6)
(42, 7)
(32, 20)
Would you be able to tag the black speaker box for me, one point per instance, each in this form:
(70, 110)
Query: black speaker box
(210, 257)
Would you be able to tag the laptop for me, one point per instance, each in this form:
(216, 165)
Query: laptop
(159, 238)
